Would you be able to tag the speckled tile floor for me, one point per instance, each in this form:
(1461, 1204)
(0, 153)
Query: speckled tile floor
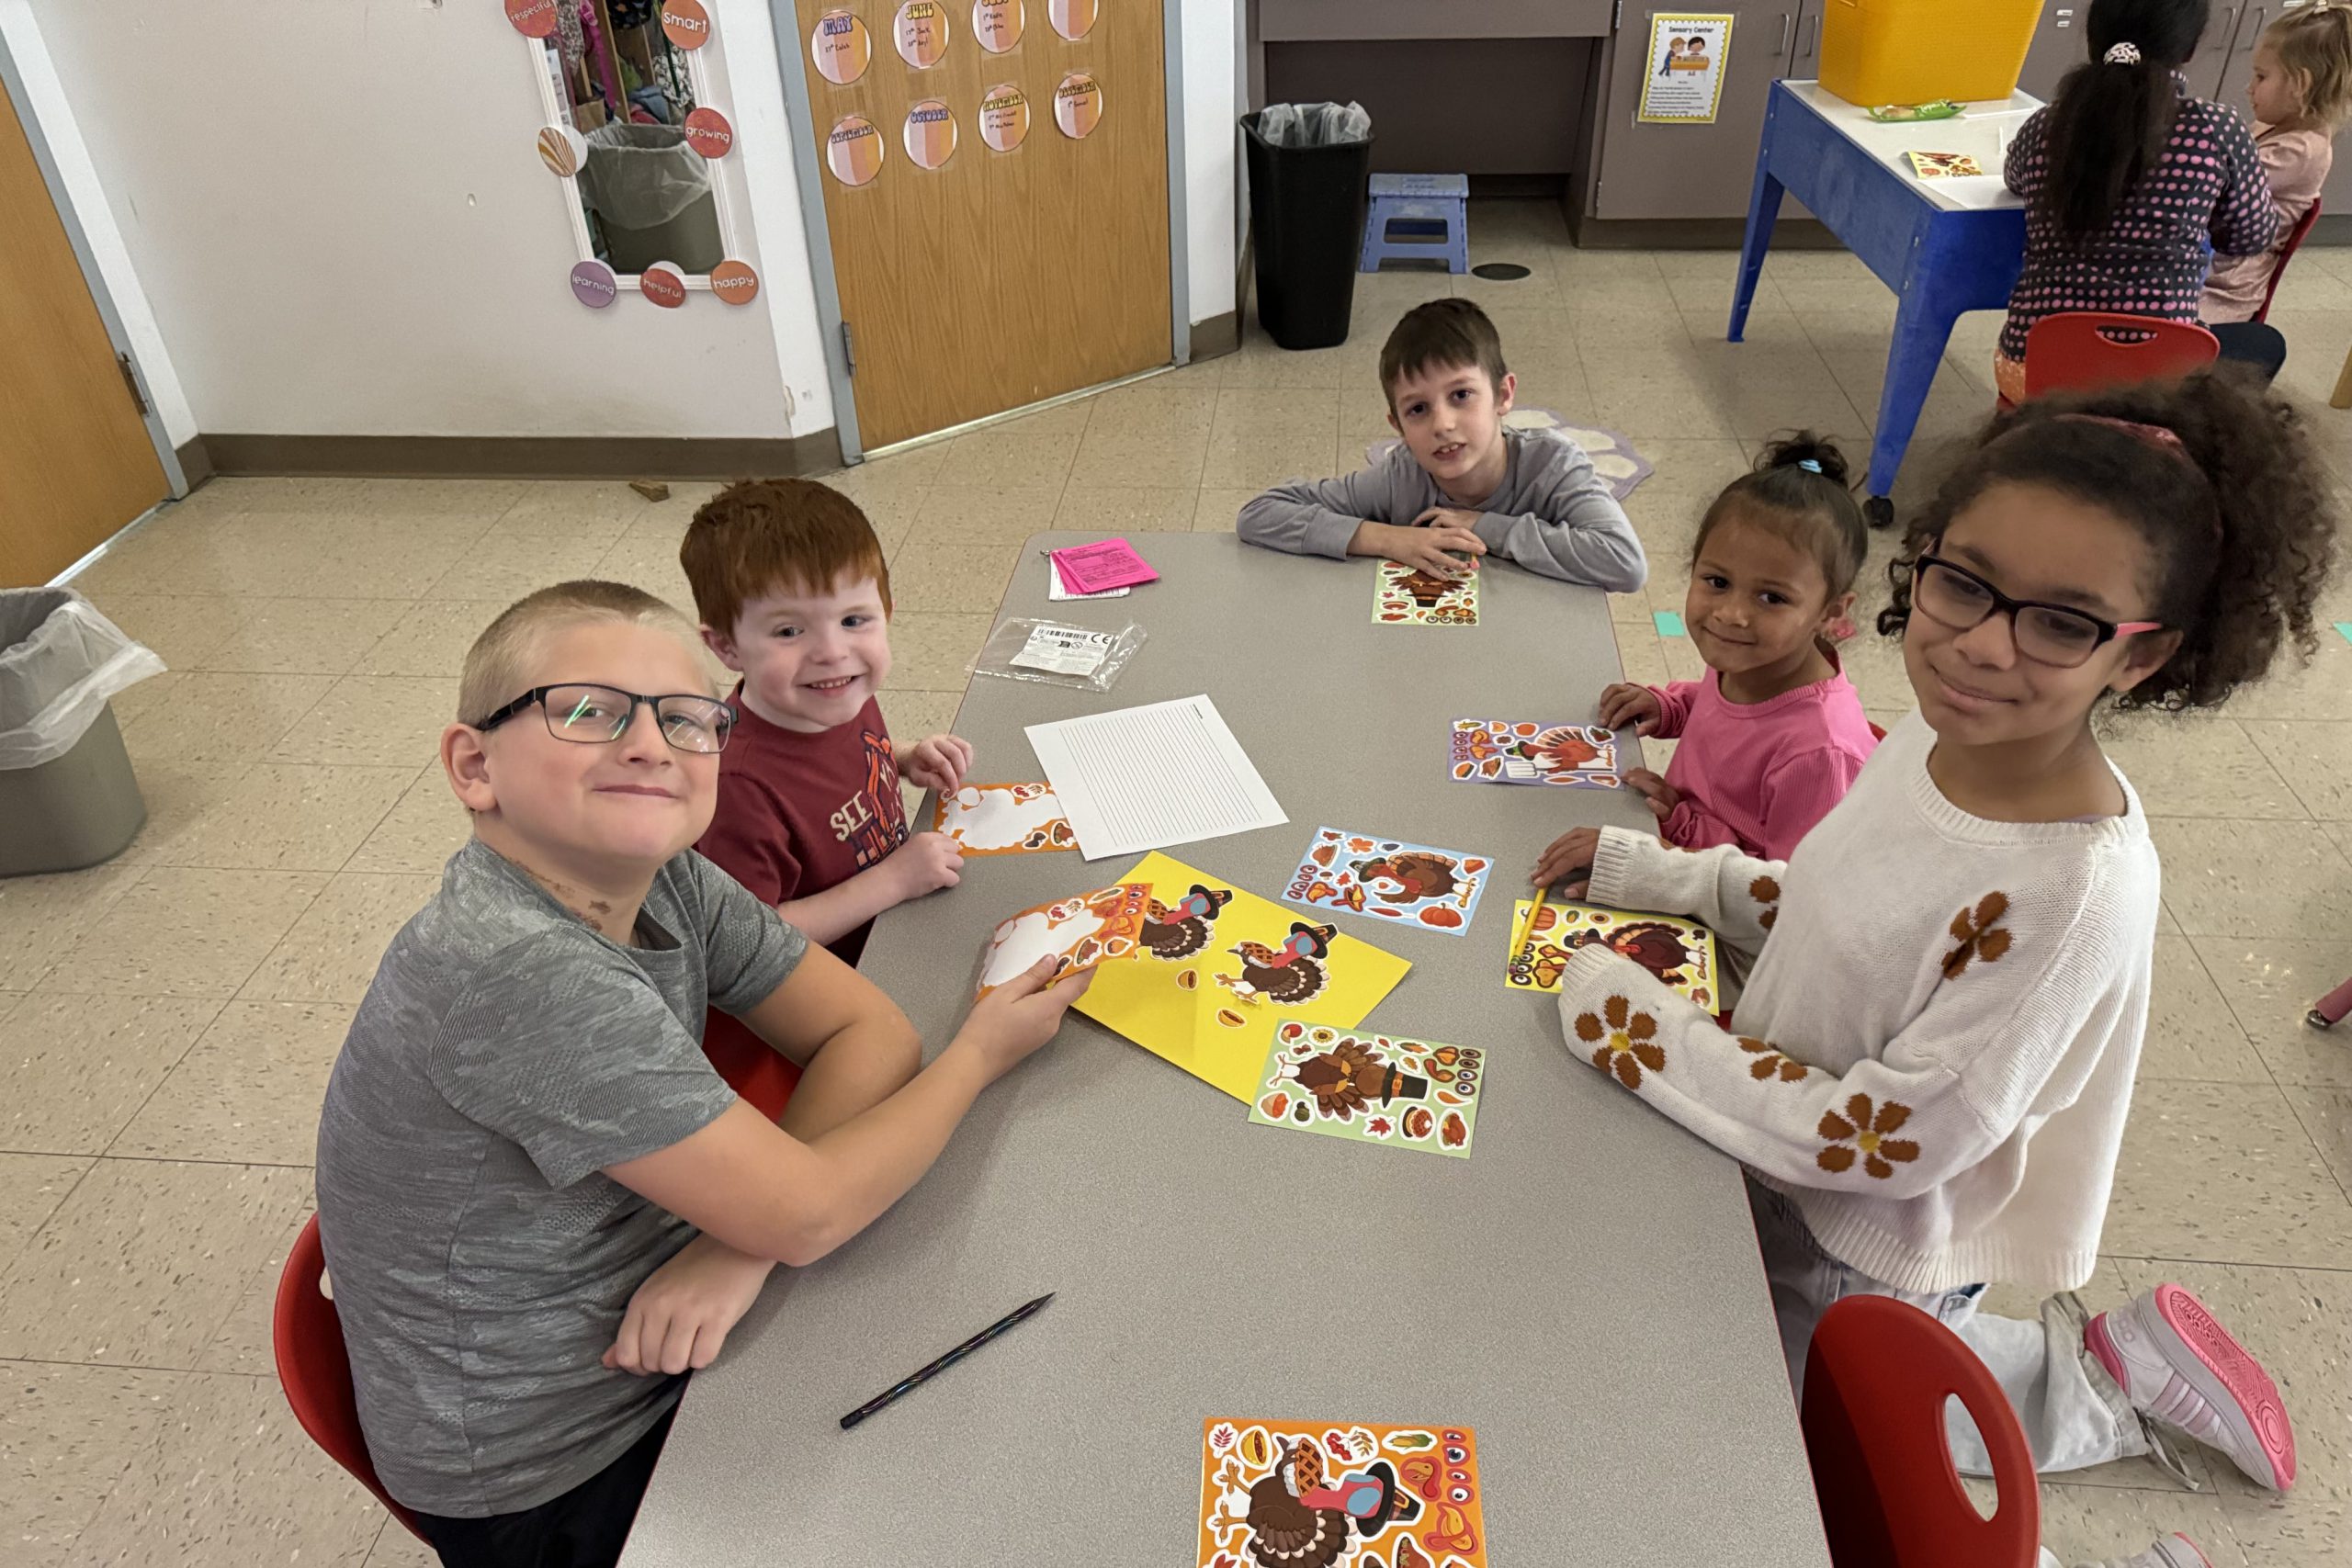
(167, 1020)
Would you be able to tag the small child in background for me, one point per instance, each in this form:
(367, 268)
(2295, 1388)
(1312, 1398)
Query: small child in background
(2301, 92)
(1937, 1045)
(1462, 482)
(793, 595)
(2130, 183)
(1773, 736)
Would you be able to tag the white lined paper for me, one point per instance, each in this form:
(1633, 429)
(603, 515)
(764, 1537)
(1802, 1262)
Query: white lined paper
(1152, 777)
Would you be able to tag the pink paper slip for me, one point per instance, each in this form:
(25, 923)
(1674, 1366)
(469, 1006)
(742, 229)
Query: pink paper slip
(1112, 563)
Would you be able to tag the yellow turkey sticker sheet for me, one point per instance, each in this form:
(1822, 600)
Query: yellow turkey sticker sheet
(1310, 1494)
(1676, 951)
(1217, 970)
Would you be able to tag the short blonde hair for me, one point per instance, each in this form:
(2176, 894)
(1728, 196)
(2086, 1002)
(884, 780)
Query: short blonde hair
(499, 665)
(2314, 41)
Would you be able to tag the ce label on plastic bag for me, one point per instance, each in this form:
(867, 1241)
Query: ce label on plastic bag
(1064, 650)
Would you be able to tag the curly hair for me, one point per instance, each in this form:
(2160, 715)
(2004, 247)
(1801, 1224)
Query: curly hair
(2240, 521)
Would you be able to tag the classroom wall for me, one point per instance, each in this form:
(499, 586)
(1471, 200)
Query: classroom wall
(332, 220)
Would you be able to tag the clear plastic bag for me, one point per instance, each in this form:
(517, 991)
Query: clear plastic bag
(60, 662)
(1056, 653)
(1313, 125)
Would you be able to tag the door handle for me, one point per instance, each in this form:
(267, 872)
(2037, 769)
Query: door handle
(1815, 48)
(1781, 50)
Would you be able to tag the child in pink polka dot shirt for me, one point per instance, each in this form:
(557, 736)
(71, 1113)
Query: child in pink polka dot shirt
(2131, 186)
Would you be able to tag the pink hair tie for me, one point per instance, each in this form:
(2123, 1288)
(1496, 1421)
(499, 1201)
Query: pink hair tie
(2154, 435)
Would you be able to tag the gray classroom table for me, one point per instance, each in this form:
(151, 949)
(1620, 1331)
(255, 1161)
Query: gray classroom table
(1584, 1291)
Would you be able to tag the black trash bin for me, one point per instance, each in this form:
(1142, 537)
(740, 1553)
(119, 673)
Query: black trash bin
(1307, 210)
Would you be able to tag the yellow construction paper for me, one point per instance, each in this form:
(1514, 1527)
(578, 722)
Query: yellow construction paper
(1189, 998)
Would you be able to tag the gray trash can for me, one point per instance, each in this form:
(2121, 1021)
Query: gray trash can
(67, 795)
(652, 193)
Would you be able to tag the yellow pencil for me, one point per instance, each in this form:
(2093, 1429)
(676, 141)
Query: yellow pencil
(1524, 934)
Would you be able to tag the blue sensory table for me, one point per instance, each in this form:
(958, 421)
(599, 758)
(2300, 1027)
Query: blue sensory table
(1945, 246)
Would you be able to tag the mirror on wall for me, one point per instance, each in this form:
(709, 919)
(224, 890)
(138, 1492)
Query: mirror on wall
(631, 130)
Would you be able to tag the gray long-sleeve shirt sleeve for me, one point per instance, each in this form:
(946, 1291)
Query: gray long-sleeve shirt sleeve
(1551, 513)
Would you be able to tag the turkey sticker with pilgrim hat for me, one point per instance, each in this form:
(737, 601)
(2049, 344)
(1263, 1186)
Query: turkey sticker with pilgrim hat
(1307, 1495)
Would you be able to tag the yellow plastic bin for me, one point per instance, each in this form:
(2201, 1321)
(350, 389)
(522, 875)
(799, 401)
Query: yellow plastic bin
(1914, 52)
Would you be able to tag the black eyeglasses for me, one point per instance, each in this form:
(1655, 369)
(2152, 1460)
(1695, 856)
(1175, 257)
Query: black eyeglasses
(593, 716)
(2048, 634)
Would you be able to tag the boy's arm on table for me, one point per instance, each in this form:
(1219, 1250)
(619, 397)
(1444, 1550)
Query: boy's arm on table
(1576, 531)
(1943, 1094)
(1320, 517)
(765, 1193)
(924, 864)
(1729, 892)
(856, 1050)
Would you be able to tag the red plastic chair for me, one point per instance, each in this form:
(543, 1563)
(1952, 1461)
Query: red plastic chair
(2098, 348)
(2295, 238)
(1875, 1383)
(314, 1369)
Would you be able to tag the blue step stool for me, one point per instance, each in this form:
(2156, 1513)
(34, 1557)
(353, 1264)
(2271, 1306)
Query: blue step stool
(1418, 218)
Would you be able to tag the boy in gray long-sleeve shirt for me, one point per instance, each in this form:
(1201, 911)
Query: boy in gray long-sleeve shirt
(1461, 484)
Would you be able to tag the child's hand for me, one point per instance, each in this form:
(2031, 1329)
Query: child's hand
(1436, 549)
(1014, 1020)
(925, 863)
(1569, 861)
(1626, 703)
(938, 762)
(679, 1317)
(1663, 797)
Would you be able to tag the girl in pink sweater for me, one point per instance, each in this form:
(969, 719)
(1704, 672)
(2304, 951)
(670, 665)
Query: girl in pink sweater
(1773, 736)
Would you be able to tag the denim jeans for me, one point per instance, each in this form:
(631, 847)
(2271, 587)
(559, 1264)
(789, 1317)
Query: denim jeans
(2073, 1412)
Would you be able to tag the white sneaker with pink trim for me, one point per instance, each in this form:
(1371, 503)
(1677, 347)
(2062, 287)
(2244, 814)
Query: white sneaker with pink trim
(2180, 1367)
(2175, 1551)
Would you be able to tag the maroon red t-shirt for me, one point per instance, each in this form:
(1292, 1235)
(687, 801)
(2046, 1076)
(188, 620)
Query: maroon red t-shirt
(798, 814)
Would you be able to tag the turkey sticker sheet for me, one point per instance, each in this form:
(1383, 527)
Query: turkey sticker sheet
(1078, 932)
(1680, 953)
(1217, 971)
(1003, 819)
(1345, 1083)
(1405, 595)
(1515, 751)
(1310, 1494)
(1382, 879)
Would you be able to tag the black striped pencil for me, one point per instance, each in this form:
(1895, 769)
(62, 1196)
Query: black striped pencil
(924, 1374)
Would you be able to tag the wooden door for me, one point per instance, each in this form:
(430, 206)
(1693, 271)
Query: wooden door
(998, 277)
(1691, 170)
(76, 461)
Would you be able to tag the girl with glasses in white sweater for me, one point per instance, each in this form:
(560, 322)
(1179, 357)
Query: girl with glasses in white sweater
(1934, 1053)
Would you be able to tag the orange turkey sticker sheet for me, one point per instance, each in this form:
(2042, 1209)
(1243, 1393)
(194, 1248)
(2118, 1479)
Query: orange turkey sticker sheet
(1676, 951)
(1003, 819)
(1078, 932)
(1517, 751)
(1317, 1494)
(1346, 1083)
(1406, 595)
(1386, 880)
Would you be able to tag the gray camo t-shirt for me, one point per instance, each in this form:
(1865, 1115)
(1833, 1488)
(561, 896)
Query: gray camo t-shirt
(505, 1054)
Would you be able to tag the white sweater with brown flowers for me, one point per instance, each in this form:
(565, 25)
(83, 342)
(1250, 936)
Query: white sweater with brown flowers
(1936, 1046)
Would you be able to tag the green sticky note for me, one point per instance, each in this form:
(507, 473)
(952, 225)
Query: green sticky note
(1348, 1083)
(1668, 624)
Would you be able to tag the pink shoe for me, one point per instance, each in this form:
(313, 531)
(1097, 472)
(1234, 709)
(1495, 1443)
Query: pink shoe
(2180, 1367)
